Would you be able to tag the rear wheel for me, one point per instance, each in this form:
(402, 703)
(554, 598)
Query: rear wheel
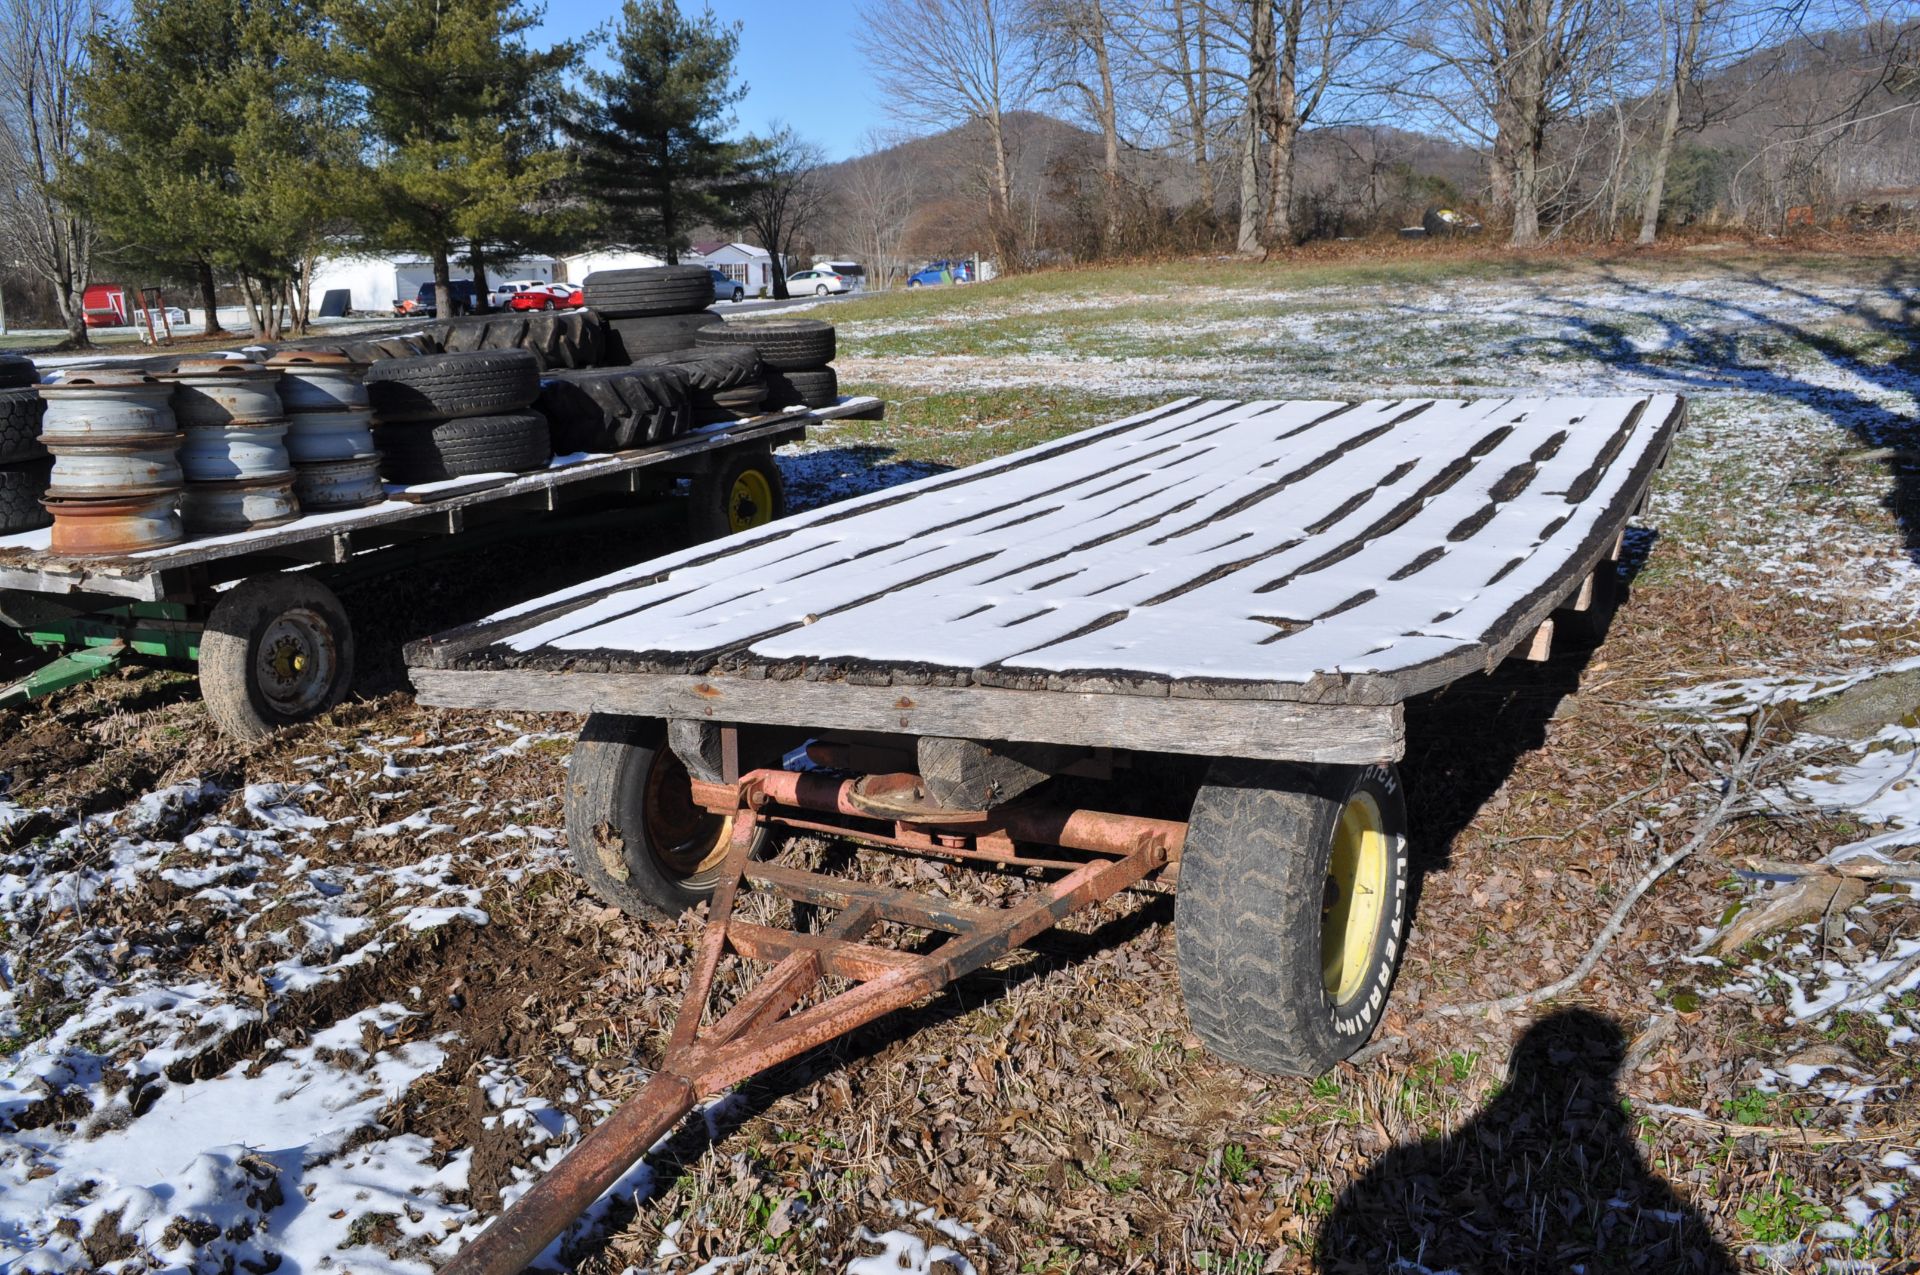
(637, 838)
(744, 493)
(277, 650)
(1291, 915)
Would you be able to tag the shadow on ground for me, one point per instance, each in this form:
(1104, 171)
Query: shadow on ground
(1750, 349)
(1547, 1178)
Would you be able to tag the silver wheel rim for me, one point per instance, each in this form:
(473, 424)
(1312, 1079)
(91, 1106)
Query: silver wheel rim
(294, 662)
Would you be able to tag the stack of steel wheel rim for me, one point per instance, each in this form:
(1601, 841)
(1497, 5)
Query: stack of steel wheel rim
(235, 456)
(329, 429)
(116, 466)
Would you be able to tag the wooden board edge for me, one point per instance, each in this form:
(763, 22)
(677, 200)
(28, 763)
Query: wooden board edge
(1347, 734)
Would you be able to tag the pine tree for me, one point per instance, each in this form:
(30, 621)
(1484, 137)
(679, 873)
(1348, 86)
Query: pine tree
(456, 103)
(212, 143)
(654, 158)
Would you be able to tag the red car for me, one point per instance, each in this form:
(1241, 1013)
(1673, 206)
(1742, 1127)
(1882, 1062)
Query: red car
(541, 296)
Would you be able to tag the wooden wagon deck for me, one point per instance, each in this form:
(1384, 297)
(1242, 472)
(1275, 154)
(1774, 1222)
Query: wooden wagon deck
(1266, 579)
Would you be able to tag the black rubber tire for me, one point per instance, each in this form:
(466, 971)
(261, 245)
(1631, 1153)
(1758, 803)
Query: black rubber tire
(710, 370)
(437, 387)
(238, 646)
(787, 345)
(17, 370)
(1249, 913)
(716, 497)
(815, 387)
(630, 339)
(432, 453)
(615, 761)
(630, 294)
(21, 487)
(615, 409)
(20, 411)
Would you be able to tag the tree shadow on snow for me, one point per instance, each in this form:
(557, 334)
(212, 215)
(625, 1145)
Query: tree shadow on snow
(1748, 350)
(1547, 1178)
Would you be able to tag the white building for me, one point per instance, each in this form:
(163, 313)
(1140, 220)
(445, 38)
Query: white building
(374, 282)
(581, 264)
(746, 265)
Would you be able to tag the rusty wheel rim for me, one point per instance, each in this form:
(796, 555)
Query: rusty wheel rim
(687, 842)
(294, 662)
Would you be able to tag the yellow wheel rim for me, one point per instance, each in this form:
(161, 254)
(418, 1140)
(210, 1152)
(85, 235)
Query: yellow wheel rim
(750, 501)
(1356, 898)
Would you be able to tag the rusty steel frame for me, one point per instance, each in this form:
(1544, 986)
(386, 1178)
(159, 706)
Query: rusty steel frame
(764, 1028)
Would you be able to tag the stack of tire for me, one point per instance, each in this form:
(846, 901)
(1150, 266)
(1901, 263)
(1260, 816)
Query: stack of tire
(445, 416)
(557, 339)
(652, 310)
(795, 357)
(25, 465)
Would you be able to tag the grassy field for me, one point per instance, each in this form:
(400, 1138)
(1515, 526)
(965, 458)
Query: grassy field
(376, 911)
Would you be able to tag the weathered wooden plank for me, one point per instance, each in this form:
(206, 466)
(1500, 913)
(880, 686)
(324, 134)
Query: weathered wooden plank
(966, 774)
(1267, 729)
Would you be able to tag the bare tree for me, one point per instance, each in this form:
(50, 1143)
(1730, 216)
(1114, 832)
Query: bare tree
(43, 46)
(1073, 47)
(878, 203)
(1253, 116)
(1507, 71)
(1679, 24)
(1317, 43)
(785, 194)
(946, 63)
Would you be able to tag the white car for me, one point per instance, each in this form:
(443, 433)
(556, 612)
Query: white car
(818, 282)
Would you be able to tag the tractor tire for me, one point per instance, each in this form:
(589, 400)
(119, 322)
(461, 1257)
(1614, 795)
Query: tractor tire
(432, 453)
(20, 413)
(21, 487)
(710, 370)
(786, 345)
(632, 339)
(744, 493)
(439, 387)
(815, 387)
(636, 836)
(615, 409)
(1291, 916)
(632, 294)
(17, 370)
(277, 650)
(740, 403)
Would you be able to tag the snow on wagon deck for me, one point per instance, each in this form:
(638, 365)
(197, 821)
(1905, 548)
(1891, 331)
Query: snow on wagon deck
(1263, 579)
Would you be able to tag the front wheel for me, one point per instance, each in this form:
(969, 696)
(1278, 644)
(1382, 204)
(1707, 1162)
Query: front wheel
(739, 296)
(744, 493)
(1291, 914)
(277, 650)
(636, 836)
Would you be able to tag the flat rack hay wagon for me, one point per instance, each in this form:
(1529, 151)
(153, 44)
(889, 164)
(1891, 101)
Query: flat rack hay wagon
(1249, 591)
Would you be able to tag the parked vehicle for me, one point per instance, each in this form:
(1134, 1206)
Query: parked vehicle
(424, 304)
(541, 296)
(726, 288)
(932, 275)
(818, 282)
(852, 271)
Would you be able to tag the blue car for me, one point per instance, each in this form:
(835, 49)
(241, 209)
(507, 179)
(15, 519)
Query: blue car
(942, 272)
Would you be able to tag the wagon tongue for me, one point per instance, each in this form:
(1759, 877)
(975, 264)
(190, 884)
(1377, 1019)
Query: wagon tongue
(763, 1028)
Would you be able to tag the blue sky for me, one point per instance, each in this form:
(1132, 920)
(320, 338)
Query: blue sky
(797, 57)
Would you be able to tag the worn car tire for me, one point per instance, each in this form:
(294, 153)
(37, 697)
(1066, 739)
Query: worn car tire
(814, 387)
(786, 345)
(629, 294)
(631, 339)
(21, 487)
(710, 369)
(1259, 903)
(636, 836)
(20, 413)
(744, 493)
(613, 409)
(277, 649)
(431, 453)
(436, 387)
(17, 370)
